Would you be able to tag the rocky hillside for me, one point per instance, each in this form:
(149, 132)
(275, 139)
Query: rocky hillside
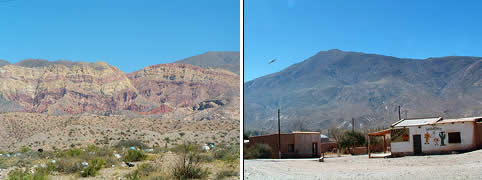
(35, 130)
(3, 63)
(57, 104)
(332, 87)
(215, 59)
(63, 87)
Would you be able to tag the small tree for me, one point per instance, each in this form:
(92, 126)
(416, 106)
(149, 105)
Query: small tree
(352, 139)
(188, 166)
(336, 134)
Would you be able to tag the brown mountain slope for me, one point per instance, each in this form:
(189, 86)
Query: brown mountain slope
(332, 87)
(227, 60)
(75, 88)
(46, 104)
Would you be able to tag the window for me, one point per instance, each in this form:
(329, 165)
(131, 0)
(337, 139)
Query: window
(291, 148)
(454, 137)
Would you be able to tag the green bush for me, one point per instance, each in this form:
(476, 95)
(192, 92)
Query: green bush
(143, 170)
(183, 148)
(226, 173)
(94, 166)
(19, 174)
(259, 151)
(74, 152)
(188, 166)
(69, 166)
(134, 155)
(227, 153)
(25, 149)
(352, 139)
(134, 175)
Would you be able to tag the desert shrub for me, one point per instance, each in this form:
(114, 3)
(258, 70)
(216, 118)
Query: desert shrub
(3, 163)
(69, 166)
(206, 157)
(25, 149)
(188, 166)
(47, 169)
(74, 152)
(111, 160)
(352, 139)
(134, 155)
(23, 163)
(158, 178)
(134, 175)
(227, 153)
(158, 150)
(131, 143)
(183, 148)
(19, 174)
(143, 170)
(259, 151)
(92, 148)
(94, 166)
(226, 173)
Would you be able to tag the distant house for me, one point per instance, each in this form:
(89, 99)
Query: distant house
(434, 135)
(293, 145)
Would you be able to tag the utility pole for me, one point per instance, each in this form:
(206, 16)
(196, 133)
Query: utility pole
(279, 135)
(399, 118)
(352, 124)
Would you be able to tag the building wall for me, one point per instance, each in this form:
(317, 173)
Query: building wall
(272, 141)
(466, 130)
(304, 143)
(478, 134)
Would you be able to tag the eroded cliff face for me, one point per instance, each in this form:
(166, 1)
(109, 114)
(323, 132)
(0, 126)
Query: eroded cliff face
(94, 87)
(182, 85)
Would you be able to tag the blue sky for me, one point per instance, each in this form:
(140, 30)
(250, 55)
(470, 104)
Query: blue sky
(126, 34)
(292, 30)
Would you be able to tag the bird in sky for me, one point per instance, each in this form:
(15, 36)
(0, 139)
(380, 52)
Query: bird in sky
(271, 61)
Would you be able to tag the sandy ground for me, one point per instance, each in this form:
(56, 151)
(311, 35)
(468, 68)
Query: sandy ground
(452, 166)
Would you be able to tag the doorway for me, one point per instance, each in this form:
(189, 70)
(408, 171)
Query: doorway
(417, 144)
(314, 150)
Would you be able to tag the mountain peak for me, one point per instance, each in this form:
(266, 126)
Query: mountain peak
(228, 60)
(3, 62)
(335, 50)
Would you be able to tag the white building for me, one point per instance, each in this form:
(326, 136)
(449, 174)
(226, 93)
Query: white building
(435, 135)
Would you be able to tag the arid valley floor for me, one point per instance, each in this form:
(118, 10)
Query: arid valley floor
(453, 166)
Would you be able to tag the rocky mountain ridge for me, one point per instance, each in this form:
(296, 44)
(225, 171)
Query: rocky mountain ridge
(332, 87)
(64, 87)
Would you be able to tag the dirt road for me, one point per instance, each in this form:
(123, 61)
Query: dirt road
(453, 166)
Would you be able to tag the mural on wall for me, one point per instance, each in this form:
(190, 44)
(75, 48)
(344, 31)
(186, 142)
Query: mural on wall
(433, 134)
(435, 140)
(399, 135)
(427, 137)
(442, 138)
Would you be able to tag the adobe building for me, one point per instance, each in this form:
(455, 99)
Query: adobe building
(293, 145)
(433, 135)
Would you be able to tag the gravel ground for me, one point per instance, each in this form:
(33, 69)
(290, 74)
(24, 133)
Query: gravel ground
(452, 166)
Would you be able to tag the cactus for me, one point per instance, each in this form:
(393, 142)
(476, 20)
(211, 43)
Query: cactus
(442, 138)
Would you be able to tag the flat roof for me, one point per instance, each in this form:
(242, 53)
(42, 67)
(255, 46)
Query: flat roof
(300, 132)
(459, 120)
(433, 120)
(380, 133)
(416, 122)
(294, 132)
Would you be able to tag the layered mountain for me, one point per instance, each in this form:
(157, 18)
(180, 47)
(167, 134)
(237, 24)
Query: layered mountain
(65, 87)
(332, 87)
(228, 60)
(3, 63)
